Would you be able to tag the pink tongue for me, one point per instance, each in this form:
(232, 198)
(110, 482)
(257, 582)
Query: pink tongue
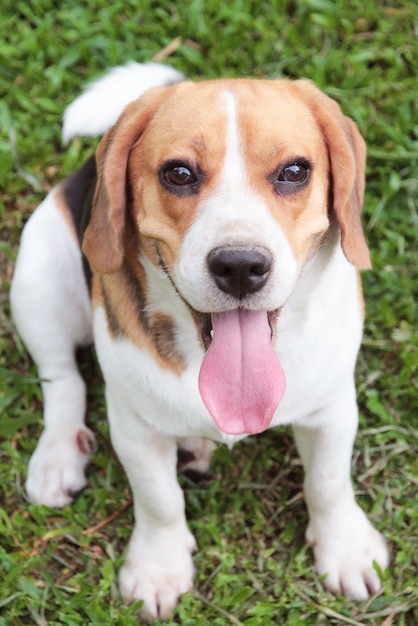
(241, 381)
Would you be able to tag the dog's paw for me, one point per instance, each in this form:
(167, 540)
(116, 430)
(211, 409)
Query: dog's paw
(345, 547)
(56, 469)
(195, 454)
(158, 573)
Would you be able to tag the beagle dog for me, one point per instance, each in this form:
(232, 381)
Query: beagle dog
(212, 250)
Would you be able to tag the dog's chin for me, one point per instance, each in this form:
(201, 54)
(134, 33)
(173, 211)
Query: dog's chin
(206, 327)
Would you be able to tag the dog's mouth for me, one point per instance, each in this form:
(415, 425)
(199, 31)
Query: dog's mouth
(207, 328)
(241, 380)
(205, 320)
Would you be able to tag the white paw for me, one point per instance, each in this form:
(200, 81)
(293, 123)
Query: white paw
(158, 571)
(345, 546)
(200, 450)
(56, 469)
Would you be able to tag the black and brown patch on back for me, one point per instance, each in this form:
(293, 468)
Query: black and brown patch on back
(74, 200)
(78, 190)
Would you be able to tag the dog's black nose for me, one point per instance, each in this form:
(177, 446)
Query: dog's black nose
(240, 270)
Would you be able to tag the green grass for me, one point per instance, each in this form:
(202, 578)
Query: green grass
(57, 567)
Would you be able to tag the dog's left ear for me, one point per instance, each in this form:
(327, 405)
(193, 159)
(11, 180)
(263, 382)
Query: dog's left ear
(103, 239)
(347, 155)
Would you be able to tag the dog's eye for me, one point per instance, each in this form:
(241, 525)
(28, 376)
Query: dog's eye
(295, 173)
(291, 177)
(178, 174)
(180, 178)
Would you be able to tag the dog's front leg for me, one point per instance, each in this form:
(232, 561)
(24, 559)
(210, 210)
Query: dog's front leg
(158, 566)
(344, 542)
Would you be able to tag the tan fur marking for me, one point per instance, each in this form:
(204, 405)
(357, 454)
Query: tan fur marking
(162, 331)
(155, 333)
(122, 295)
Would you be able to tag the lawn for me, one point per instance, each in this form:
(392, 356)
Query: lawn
(253, 567)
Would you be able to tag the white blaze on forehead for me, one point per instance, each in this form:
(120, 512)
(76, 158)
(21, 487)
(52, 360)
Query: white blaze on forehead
(233, 174)
(233, 214)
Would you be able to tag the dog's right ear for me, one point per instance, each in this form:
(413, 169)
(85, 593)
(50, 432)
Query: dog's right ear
(103, 239)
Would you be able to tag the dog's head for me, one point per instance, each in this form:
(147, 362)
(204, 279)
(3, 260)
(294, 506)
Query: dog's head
(231, 185)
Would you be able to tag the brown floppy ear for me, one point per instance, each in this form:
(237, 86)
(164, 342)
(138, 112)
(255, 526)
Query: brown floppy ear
(103, 239)
(347, 155)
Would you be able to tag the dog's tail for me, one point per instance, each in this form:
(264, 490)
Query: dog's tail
(101, 103)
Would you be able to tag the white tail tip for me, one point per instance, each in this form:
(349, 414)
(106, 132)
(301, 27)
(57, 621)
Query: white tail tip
(102, 102)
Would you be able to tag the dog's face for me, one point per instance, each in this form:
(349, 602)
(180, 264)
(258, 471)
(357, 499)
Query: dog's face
(233, 193)
(246, 165)
(230, 186)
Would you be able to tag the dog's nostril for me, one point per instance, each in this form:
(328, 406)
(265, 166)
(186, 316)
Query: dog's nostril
(240, 270)
(260, 269)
